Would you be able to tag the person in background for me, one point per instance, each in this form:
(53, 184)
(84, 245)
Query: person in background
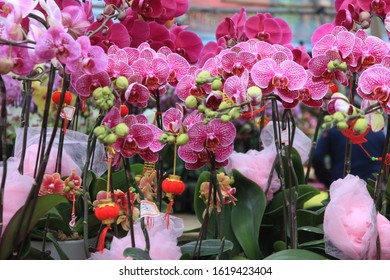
(329, 156)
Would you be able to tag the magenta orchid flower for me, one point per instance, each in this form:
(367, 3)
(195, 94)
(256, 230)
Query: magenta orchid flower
(266, 28)
(118, 64)
(116, 35)
(92, 60)
(374, 84)
(236, 63)
(186, 43)
(367, 51)
(85, 84)
(281, 75)
(172, 119)
(178, 68)
(235, 87)
(232, 29)
(137, 95)
(56, 43)
(137, 28)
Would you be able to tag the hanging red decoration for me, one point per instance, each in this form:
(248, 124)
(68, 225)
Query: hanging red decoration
(107, 211)
(57, 96)
(124, 111)
(173, 185)
(333, 87)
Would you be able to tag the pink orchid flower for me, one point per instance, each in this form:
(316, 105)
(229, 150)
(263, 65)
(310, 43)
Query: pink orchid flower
(92, 60)
(283, 76)
(75, 19)
(367, 51)
(380, 7)
(232, 29)
(116, 35)
(153, 70)
(235, 87)
(172, 119)
(236, 63)
(159, 10)
(374, 84)
(266, 28)
(52, 184)
(137, 94)
(118, 65)
(186, 43)
(56, 43)
(85, 84)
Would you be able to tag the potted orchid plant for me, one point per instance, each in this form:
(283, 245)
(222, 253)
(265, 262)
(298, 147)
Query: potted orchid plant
(112, 76)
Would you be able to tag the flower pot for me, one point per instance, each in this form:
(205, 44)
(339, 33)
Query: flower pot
(74, 249)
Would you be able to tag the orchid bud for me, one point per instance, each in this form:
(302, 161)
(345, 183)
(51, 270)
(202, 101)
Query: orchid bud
(328, 119)
(203, 77)
(331, 66)
(171, 139)
(121, 16)
(71, 185)
(342, 125)
(6, 65)
(223, 105)
(201, 108)
(66, 189)
(255, 94)
(122, 82)
(343, 66)
(100, 130)
(338, 117)
(163, 138)
(234, 113)
(98, 93)
(360, 126)
(216, 84)
(109, 10)
(182, 139)
(191, 102)
(121, 130)
(106, 91)
(110, 139)
(225, 118)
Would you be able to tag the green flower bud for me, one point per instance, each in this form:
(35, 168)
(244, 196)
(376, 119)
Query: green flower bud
(216, 84)
(203, 77)
(342, 125)
(225, 118)
(100, 130)
(234, 113)
(163, 138)
(66, 189)
(338, 117)
(255, 93)
(201, 108)
(360, 126)
(110, 103)
(223, 105)
(122, 130)
(331, 66)
(171, 139)
(210, 113)
(328, 119)
(122, 83)
(98, 93)
(191, 102)
(106, 91)
(182, 139)
(110, 139)
(71, 185)
(343, 66)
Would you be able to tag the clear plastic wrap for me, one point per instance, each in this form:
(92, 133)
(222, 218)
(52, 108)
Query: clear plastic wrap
(73, 157)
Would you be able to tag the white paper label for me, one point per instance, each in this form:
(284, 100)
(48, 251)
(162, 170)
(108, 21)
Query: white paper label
(148, 209)
(67, 112)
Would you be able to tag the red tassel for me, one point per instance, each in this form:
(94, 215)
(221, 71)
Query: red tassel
(102, 239)
(83, 106)
(168, 212)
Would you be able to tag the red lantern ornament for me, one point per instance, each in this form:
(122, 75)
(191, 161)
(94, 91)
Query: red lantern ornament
(106, 211)
(333, 87)
(124, 111)
(172, 186)
(57, 96)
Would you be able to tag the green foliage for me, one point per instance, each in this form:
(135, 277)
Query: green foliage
(209, 247)
(136, 254)
(10, 238)
(295, 254)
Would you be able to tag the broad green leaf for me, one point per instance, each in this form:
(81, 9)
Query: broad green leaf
(209, 247)
(247, 214)
(43, 205)
(99, 184)
(312, 243)
(275, 208)
(312, 229)
(295, 254)
(60, 252)
(136, 254)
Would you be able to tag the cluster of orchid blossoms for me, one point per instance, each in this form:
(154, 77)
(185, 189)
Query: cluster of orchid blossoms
(132, 54)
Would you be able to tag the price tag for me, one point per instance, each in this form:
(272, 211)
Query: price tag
(67, 112)
(148, 209)
(284, 136)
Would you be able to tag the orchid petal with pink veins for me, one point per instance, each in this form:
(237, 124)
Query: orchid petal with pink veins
(223, 153)
(295, 74)
(320, 32)
(178, 64)
(197, 137)
(112, 118)
(225, 132)
(86, 83)
(172, 120)
(156, 145)
(137, 94)
(187, 155)
(192, 118)
(374, 77)
(142, 134)
(263, 72)
(324, 44)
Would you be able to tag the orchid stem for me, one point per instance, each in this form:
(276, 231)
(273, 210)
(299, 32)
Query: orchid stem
(3, 132)
(314, 145)
(160, 163)
(26, 123)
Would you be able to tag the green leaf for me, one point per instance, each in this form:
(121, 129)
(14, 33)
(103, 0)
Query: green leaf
(275, 208)
(136, 254)
(312, 229)
(247, 215)
(209, 247)
(295, 254)
(312, 243)
(297, 166)
(44, 204)
(60, 252)
(98, 185)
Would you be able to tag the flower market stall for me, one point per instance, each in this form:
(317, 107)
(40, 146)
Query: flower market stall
(108, 120)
